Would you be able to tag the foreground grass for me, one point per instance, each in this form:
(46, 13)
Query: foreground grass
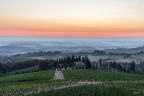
(100, 75)
(43, 75)
(109, 89)
(30, 81)
(33, 82)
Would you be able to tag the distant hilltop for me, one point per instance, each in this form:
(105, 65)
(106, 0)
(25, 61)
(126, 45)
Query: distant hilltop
(70, 45)
(125, 50)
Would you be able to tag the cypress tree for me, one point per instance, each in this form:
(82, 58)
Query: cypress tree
(133, 67)
(87, 62)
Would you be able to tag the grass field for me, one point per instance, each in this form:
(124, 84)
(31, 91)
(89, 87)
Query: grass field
(18, 83)
(43, 75)
(36, 81)
(108, 89)
(100, 75)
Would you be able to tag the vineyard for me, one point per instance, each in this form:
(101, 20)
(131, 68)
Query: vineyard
(107, 89)
(76, 83)
(25, 83)
(100, 75)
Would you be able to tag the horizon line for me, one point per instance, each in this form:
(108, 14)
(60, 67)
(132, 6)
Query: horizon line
(114, 37)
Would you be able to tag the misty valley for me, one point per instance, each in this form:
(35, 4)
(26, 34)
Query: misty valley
(109, 59)
(85, 67)
(71, 47)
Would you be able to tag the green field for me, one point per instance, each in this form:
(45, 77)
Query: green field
(19, 83)
(33, 82)
(108, 89)
(100, 75)
(44, 75)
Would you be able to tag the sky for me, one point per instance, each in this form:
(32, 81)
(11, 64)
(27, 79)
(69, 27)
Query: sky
(72, 18)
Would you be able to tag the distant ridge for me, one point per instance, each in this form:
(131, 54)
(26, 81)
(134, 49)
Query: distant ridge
(126, 50)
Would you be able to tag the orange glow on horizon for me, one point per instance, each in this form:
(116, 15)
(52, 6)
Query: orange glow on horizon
(72, 18)
(79, 32)
(64, 29)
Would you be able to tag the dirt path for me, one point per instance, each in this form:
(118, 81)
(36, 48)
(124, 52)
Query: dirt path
(61, 86)
(58, 75)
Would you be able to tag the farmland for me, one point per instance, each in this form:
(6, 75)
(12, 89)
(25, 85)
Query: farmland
(108, 89)
(26, 82)
(43, 84)
(100, 75)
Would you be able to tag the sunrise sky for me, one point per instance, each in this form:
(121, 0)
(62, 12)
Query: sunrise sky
(72, 18)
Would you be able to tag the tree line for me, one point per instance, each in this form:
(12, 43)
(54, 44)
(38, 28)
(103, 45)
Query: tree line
(64, 62)
(69, 62)
(114, 66)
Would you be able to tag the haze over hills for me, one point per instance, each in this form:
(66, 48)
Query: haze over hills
(11, 46)
(72, 48)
